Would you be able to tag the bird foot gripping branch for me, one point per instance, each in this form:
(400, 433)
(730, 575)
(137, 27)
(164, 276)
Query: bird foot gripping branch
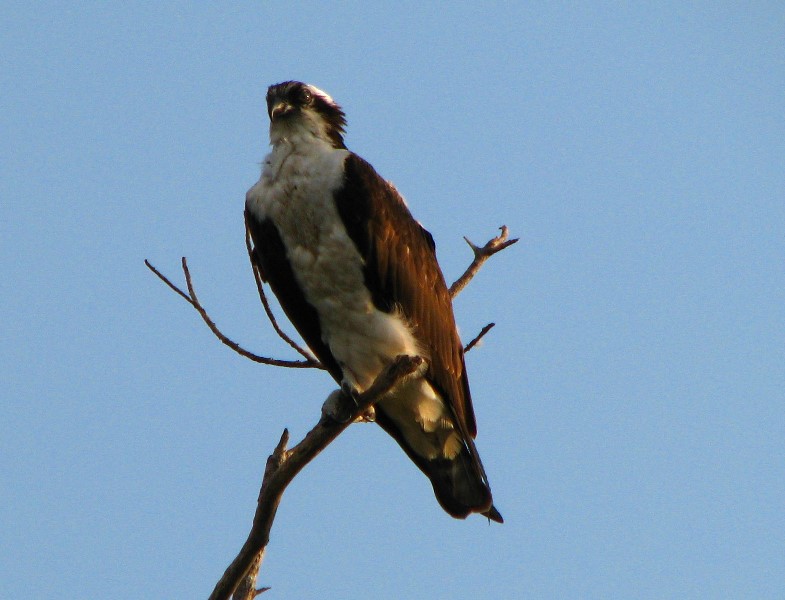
(348, 404)
(340, 405)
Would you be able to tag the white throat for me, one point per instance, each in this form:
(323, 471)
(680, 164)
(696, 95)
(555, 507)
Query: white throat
(304, 128)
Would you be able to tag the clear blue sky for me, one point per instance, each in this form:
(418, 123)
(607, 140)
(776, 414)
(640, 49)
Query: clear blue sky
(630, 401)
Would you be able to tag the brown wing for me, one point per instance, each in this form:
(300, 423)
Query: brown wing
(402, 273)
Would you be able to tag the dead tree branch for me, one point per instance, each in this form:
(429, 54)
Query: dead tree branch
(247, 588)
(497, 244)
(478, 337)
(283, 465)
(257, 275)
(192, 299)
(493, 246)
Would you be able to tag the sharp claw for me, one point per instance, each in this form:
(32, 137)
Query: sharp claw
(368, 416)
(350, 392)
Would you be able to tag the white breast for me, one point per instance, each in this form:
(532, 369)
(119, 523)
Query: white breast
(296, 193)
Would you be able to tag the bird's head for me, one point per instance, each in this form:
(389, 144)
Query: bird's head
(296, 107)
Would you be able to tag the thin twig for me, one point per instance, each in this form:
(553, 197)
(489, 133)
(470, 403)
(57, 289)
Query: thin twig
(478, 337)
(163, 278)
(192, 299)
(234, 346)
(263, 297)
(283, 465)
(497, 244)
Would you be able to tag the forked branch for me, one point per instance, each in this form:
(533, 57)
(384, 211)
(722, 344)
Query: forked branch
(497, 244)
(193, 300)
(283, 465)
(493, 246)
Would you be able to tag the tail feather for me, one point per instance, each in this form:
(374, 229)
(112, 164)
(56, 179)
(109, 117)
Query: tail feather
(459, 484)
(493, 514)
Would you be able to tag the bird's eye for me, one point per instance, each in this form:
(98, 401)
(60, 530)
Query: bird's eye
(306, 96)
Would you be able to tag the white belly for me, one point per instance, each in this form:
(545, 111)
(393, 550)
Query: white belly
(296, 192)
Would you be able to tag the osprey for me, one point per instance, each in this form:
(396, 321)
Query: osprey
(358, 278)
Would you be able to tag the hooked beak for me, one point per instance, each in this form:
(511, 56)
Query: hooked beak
(279, 109)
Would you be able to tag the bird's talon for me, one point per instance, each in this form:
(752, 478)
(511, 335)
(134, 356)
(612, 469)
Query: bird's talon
(350, 392)
(336, 408)
(367, 416)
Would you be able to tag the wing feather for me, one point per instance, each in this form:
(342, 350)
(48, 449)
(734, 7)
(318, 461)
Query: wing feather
(403, 274)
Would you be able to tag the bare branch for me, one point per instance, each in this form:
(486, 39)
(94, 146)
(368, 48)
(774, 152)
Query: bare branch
(192, 299)
(247, 588)
(268, 311)
(283, 466)
(478, 337)
(263, 297)
(497, 244)
(165, 279)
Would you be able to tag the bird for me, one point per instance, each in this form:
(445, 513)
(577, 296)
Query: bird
(358, 278)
